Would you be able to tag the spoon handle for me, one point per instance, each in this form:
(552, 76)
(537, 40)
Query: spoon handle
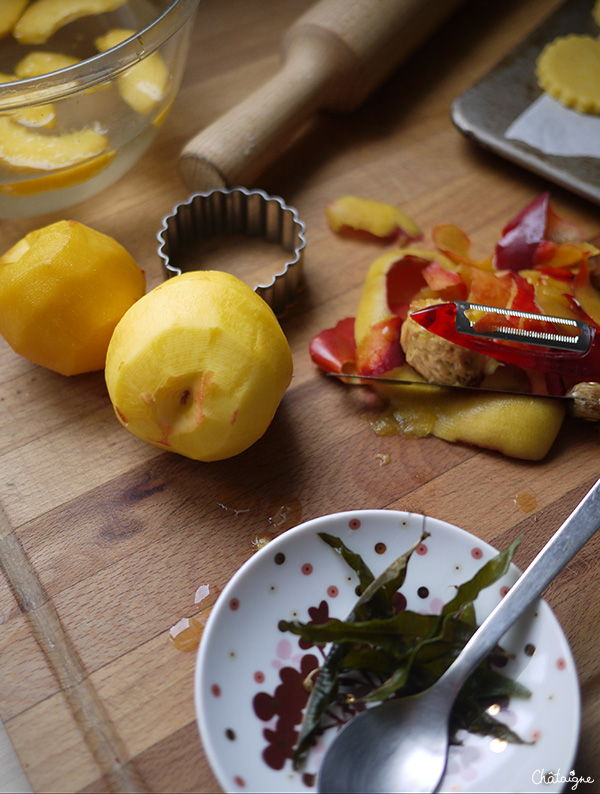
(578, 528)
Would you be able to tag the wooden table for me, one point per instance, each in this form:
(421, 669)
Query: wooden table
(104, 540)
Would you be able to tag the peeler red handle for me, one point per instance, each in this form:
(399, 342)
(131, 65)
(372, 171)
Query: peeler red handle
(441, 319)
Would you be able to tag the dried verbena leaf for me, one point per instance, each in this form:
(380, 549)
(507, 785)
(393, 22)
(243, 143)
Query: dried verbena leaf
(396, 634)
(432, 655)
(453, 632)
(354, 560)
(324, 691)
(371, 660)
(396, 681)
(322, 695)
(468, 715)
(489, 683)
(409, 650)
(467, 615)
(391, 580)
(362, 570)
(489, 573)
(432, 640)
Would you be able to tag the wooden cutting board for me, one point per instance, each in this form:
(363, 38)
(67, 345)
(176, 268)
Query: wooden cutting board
(104, 540)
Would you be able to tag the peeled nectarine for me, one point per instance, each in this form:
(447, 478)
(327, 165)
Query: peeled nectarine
(198, 366)
(63, 289)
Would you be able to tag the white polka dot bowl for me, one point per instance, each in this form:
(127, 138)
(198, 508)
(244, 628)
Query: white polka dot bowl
(249, 689)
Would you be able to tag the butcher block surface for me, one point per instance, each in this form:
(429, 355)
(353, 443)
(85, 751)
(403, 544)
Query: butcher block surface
(104, 539)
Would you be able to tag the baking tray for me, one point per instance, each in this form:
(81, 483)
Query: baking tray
(486, 111)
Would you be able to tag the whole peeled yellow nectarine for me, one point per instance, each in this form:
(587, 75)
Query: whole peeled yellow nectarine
(63, 288)
(198, 366)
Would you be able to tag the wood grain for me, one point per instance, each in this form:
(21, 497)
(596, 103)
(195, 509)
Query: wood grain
(104, 540)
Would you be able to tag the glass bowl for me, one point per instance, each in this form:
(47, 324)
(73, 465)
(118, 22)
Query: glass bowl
(80, 102)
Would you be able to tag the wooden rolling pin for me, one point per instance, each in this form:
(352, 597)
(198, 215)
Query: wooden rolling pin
(333, 56)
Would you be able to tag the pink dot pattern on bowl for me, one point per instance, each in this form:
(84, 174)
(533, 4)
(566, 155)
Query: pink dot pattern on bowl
(436, 605)
(291, 658)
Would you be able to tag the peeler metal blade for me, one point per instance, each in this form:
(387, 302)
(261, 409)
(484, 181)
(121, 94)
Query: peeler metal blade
(574, 334)
(565, 347)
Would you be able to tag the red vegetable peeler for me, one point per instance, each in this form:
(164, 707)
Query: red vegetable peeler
(570, 348)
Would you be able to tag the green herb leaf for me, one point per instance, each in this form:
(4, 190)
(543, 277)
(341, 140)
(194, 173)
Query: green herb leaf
(325, 688)
(391, 580)
(408, 651)
(431, 656)
(372, 660)
(393, 634)
(323, 694)
(494, 684)
(489, 573)
(354, 560)
(470, 716)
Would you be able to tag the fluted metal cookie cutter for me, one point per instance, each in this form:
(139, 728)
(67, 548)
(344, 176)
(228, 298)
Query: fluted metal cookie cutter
(239, 211)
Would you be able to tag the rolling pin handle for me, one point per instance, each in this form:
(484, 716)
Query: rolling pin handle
(238, 146)
(199, 173)
(333, 56)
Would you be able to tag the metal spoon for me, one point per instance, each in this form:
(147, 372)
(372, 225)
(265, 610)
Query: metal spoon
(402, 745)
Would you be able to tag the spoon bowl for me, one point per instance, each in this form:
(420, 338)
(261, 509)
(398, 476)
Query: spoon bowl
(393, 756)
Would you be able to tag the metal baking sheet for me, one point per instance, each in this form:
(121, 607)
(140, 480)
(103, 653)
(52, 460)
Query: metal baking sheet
(486, 111)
